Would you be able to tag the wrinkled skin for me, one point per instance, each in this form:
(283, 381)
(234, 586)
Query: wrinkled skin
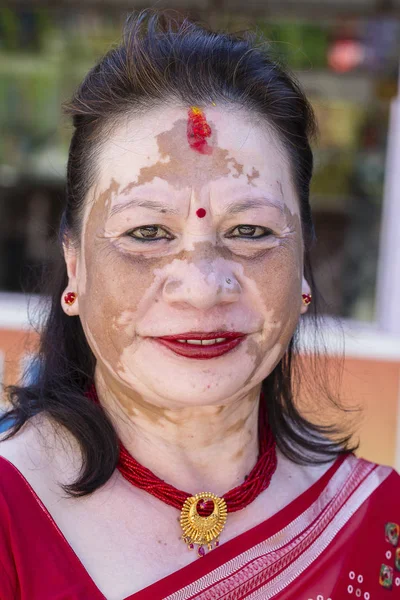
(201, 275)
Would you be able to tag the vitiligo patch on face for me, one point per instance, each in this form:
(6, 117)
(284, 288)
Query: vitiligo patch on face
(201, 212)
(198, 130)
(193, 169)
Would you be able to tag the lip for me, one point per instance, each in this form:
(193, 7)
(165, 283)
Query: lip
(233, 339)
(202, 335)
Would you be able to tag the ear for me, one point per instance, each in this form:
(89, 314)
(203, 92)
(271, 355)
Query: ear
(71, 261)
(305, 289)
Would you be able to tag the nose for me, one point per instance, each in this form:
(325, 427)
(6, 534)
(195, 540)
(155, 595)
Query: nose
(202, 285)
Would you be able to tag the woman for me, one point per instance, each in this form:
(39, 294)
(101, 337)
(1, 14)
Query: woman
(160, 454)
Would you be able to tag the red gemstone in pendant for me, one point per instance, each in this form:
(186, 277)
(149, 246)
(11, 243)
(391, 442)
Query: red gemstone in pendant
(217, 544)
(191, 546)
(201, 551)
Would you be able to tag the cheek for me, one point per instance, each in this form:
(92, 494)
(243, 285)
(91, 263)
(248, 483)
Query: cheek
(115, 284)
(278, 288)
(278, 278)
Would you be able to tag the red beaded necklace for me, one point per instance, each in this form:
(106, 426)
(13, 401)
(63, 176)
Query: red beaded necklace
(203, 516)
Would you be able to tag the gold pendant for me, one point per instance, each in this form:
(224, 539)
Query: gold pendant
(202, 530)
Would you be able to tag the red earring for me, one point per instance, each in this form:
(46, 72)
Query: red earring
(70, 298)
(306, 299)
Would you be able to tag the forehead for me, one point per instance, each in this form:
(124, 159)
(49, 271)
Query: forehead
(152, 150)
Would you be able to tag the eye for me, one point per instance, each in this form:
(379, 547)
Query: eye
(149, 233)
(250, 232)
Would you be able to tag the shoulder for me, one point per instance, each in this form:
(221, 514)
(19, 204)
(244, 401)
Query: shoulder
(354, 477)
(291, 480)
(301, 475)
(25, 449)
(389, 476)
(30, 463)
(375, 487)
(380, 472)
(44, 453)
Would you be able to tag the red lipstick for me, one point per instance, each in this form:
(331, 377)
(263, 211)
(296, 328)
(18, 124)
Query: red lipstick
(227, 341)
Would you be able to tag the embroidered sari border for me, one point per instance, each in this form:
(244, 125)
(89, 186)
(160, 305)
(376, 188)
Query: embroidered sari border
(361, 494)
(285, 542)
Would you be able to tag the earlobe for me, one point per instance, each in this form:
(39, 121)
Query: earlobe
(306, 296)
(69, 303)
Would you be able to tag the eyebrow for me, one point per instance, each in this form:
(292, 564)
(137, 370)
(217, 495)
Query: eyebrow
(232, 208)
(237, 207)
(150, 204)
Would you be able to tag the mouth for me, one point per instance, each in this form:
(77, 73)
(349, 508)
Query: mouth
(202, 345)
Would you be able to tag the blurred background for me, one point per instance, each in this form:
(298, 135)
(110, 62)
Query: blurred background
(345, 55)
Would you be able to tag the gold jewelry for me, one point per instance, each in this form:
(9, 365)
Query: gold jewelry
(202, 530)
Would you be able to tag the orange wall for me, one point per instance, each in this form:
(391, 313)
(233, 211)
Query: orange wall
(373, 387)
(376, 384)
(373, 384)
(13, 345)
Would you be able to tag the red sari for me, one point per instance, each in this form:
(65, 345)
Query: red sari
(338, 540)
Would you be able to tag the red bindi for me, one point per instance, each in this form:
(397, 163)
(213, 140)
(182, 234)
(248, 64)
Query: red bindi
(201, 212)
(198, 130)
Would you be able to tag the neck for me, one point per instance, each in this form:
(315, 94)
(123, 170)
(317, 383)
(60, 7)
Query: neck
(196, 448)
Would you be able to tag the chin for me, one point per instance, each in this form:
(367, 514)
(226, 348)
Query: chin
(160, 374)
(188, 390)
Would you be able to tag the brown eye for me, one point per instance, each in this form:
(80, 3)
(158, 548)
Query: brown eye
(246, 230)
(149, 232)
(250, 231)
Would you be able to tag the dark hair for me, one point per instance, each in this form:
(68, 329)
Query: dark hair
(164, 58)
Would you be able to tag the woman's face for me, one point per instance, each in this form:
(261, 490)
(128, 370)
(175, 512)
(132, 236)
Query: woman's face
(151, 264)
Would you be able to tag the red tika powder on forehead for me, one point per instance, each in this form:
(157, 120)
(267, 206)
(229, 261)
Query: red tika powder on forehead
(198, 130)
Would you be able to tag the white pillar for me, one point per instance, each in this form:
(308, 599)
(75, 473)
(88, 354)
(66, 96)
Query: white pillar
(388, 277)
